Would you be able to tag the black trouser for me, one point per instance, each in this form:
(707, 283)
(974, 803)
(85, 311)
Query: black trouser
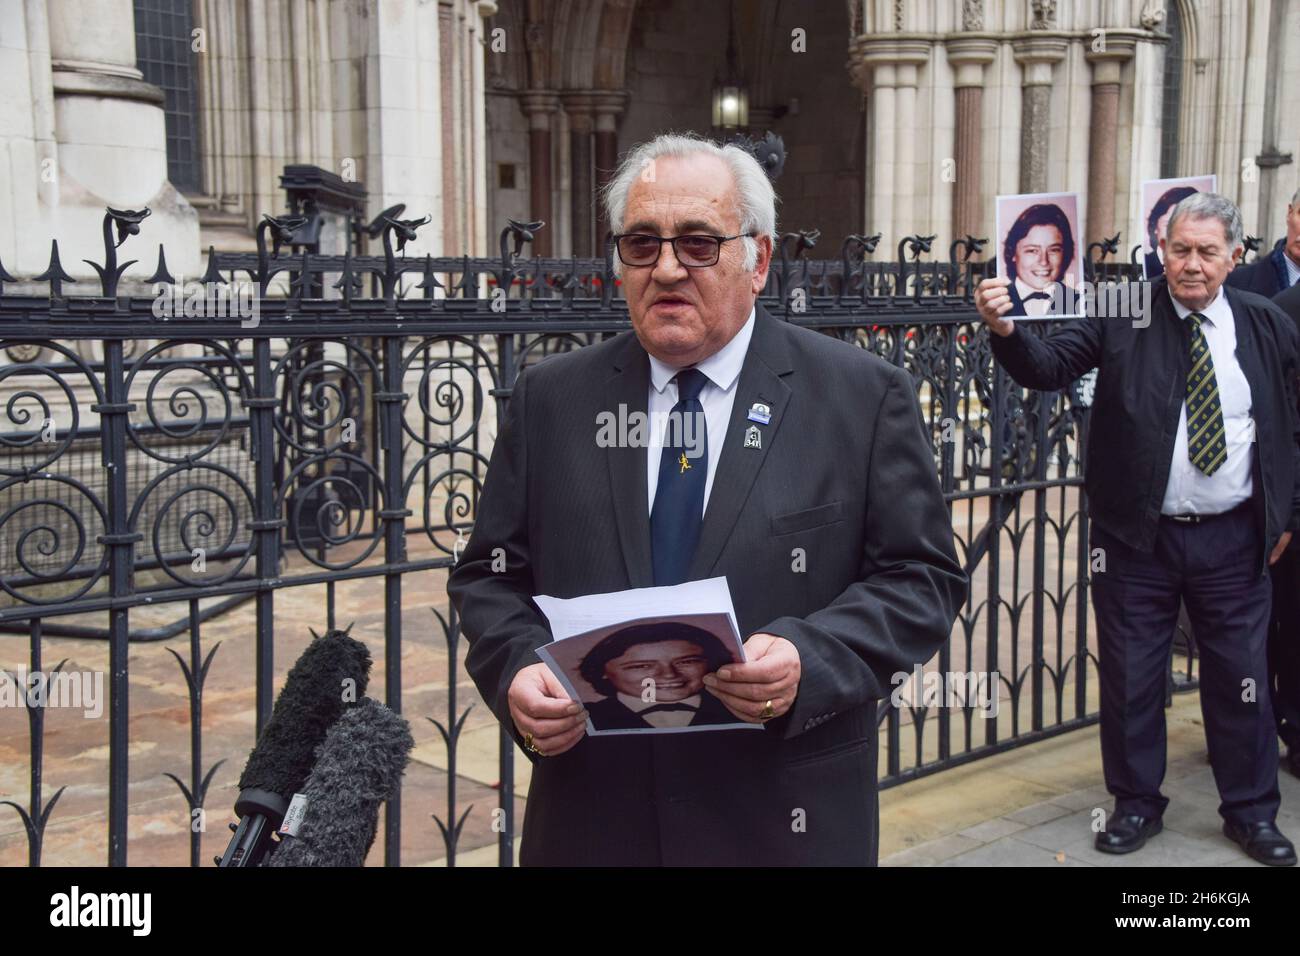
(1210, 566)
(1284, 648)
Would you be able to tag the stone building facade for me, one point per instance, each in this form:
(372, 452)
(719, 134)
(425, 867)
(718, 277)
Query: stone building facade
(905, 116)
(193, 108)
(900, 116)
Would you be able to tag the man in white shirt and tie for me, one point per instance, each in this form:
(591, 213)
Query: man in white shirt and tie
(1193, 486)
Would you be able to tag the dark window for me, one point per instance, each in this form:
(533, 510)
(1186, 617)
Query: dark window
(1172, 99)
(163, 54)
(505, 175)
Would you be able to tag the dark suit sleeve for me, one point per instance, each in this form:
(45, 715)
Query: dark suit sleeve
(910, 585)
(1290, 358)
(499, 619)
(1053, 362)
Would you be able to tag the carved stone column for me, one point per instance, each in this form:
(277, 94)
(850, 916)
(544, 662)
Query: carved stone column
(540, 107)
(608, 106)
(578, 106)
(1037, 53)
(1107, 64)
(969, 53)
(893, 63)
(111, 135)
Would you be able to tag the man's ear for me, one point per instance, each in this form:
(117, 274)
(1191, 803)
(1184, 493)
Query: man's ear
(1237, 253)
(762, 264)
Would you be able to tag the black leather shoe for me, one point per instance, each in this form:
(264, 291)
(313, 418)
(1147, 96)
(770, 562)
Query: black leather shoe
(1128, 832)
(1262, 841)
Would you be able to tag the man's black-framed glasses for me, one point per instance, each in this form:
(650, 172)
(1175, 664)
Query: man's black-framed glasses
(693, 251)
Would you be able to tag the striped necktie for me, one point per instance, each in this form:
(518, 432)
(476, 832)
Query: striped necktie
(1206, 446)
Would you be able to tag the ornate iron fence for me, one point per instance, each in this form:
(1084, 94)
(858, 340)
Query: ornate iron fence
(346, 424)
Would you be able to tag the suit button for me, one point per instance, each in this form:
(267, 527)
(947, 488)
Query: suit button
(809, 724)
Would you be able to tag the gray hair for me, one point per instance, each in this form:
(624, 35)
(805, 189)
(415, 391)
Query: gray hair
(756, 200)
(1209, 206)
(1295, 198)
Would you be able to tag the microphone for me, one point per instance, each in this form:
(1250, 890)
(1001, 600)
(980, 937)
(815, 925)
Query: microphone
(311, 701)
(358, 767)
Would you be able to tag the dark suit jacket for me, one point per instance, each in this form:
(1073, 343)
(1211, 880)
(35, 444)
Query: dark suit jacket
(1265, 276)
(1289, 302)
(610, 713)
(1141, 387)
(1066, 295)
(845, 477)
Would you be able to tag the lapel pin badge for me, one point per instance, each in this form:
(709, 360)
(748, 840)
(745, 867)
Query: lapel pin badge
(758, 412)
(753, 438)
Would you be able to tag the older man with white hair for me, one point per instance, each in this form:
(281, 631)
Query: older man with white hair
(811, 487)
(1193, 484)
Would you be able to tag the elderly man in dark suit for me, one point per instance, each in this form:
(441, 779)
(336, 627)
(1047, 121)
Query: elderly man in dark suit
(1284, 636)
(813, 492)
(1193, 485)
(1280, 269)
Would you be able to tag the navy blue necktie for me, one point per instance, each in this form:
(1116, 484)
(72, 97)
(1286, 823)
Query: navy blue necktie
(679, 497)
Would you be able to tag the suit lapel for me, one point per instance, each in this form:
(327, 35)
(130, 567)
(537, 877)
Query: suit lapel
(767, 360)
(629, 389)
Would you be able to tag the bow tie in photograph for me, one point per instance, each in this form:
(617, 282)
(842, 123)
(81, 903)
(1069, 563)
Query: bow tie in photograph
(658, 707)
(1038, 295)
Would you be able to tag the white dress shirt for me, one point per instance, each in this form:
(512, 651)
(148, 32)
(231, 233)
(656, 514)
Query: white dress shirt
(663, 718)
(1033, 307)
(722, 369)
(1189, 491)
(1292, 270)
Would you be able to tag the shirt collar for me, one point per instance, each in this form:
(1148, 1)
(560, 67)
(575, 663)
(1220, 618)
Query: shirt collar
(722, 368)
(1292, 269)
(1214, 312)
(636, 704)
(1026, 290)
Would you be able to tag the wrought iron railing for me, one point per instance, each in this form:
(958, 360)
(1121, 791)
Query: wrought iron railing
(348, 424)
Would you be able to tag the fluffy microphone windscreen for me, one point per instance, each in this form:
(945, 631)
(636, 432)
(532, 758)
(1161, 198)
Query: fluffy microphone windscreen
(358, 767)
(311, 701)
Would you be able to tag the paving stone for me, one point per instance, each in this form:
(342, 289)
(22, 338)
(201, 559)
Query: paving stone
(1167, 848)
(933, 852)
(1011, 852)
(1059, 833)
(1037, 813)
(1088, 799)
(991, 830)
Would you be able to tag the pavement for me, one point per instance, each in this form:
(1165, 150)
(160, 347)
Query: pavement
(1033, 805)
(1038, 806)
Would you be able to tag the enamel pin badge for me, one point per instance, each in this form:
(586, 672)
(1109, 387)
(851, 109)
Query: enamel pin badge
(758, 412)
(753, 438)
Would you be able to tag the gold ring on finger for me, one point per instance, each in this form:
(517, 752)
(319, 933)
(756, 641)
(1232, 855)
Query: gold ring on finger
(768, 713)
